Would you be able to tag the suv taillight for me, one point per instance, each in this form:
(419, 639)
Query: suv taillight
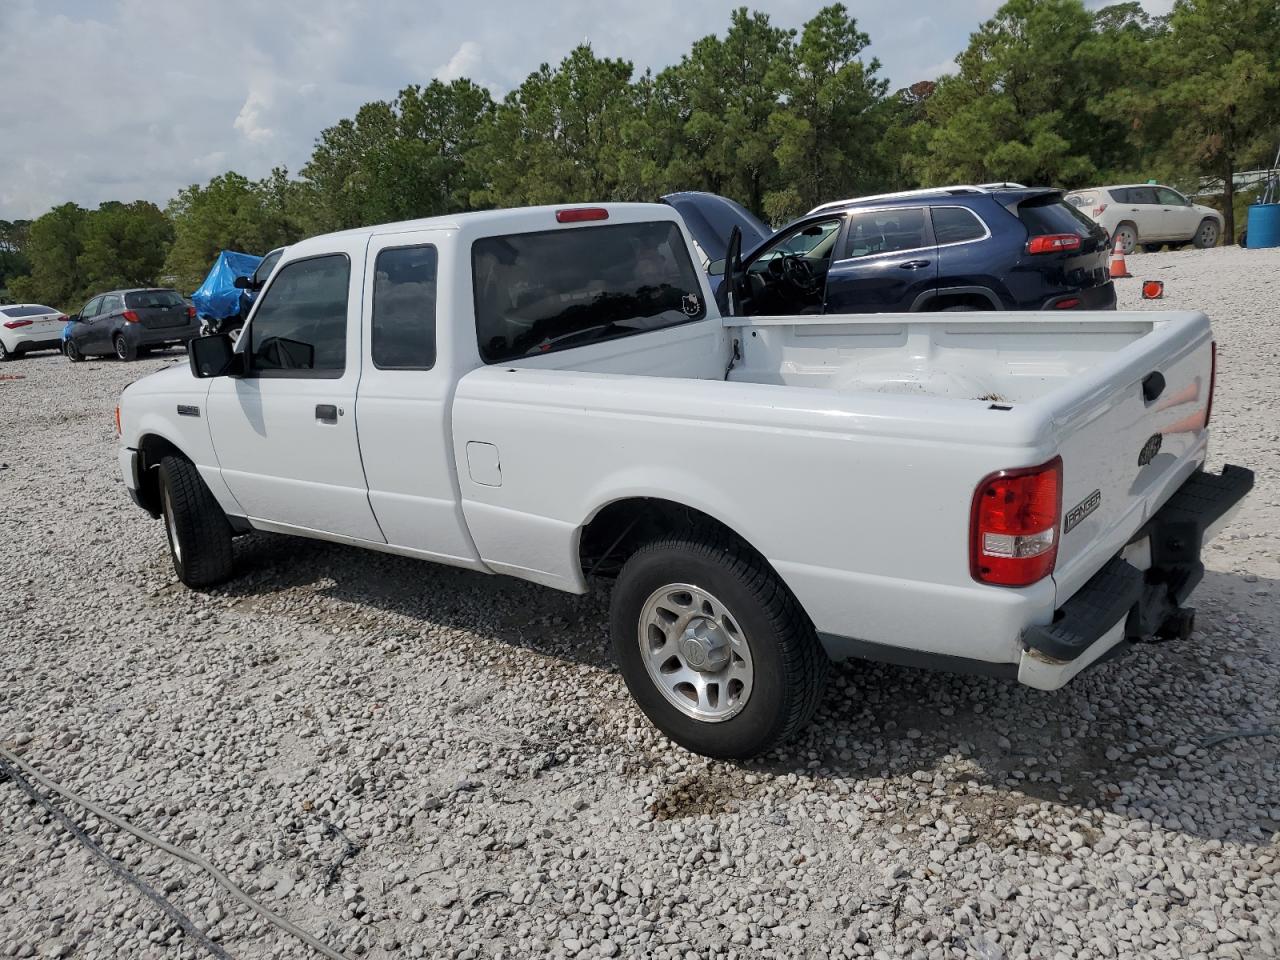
(1097, 211)
(1053, 243)
(1013, 532)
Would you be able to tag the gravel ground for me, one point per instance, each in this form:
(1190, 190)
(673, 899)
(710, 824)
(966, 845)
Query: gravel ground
(472, 737)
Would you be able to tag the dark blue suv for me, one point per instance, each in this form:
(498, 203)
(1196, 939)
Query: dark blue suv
(955, 248)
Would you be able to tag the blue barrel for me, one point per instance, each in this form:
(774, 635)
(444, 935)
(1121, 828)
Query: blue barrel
(1264, 225)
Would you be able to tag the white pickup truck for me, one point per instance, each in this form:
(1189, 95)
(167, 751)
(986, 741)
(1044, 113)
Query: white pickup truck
(552, 394)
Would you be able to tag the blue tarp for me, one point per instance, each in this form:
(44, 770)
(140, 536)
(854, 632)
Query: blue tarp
(218, 297)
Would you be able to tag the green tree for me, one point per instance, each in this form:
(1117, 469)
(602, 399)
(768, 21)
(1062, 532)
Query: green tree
(1219, 76)
(561, 136)
(231, 212)
(830, 118)
(1017, 108)
(13, 243)
(123, 245)
(54, 244)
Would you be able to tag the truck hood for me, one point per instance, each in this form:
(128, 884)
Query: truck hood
(170, 380)
(711, 218)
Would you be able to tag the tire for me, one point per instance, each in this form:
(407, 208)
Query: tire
(124, 349)
(6, 353)
(1207, 234)
(73, 352)
(198, 532)
(1127, 234)
(783, 662)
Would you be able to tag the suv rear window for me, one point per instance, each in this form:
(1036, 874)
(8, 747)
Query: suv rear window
(33, 310)
(539, 292)
(153, 298)
(1043, 215)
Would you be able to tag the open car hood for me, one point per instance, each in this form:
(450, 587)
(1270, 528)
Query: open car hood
(711, 218)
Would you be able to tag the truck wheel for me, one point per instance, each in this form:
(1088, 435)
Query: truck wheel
(199, 535)
(714, 648)
(124, 349)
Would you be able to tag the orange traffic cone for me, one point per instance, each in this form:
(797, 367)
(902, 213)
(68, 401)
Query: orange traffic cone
(1118, 267)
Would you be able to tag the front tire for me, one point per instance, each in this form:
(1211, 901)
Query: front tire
(713, 646)
(6, 353)
(73, 352)
(124, 349)
(1206, 234)
(198, 531)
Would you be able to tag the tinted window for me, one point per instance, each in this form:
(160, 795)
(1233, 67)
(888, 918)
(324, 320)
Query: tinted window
(404, 309)
(33, 310)
(1170, 198)
(91, 308)
(956, 225)
(301, 324)
(884, 231)
(153, 298)
(111, 303)
(813, 241)
(537, 292)
(1046, 215)
(1141, 195)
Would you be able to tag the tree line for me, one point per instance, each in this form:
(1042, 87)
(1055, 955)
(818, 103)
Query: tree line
(780, 119)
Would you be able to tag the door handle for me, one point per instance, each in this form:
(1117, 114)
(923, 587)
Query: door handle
(327, 412)
(913, 264)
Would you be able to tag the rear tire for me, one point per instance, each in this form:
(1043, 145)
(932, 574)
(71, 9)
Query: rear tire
(731, 595)
(1206, 234)
(1127, 235)
(124, 349)
(5, 353)
(198, 531)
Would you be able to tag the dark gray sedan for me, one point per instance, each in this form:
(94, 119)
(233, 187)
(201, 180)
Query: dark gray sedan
(129, 322)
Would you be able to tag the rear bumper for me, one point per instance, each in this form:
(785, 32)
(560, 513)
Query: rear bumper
(141, 336)
(1139, 595)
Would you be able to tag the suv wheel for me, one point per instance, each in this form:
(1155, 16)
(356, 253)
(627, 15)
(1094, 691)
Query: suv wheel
(198, 531)
(1127, 236)
(1206, 234)
(713, 646)
(5, 353)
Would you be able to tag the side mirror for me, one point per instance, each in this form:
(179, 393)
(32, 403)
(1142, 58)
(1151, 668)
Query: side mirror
(716, 268)
(212, 356)
(243, 283)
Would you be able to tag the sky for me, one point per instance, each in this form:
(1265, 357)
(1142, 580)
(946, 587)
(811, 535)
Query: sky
(135, 99)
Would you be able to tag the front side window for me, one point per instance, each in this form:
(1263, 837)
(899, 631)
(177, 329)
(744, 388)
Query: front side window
(538, 292)
(91, 308)
(404, 309)
(300, 328)
(956, 225)
(265, 267)
(1171, 198)
(886, 231)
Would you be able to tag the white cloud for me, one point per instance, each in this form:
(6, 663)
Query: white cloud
(463, 63)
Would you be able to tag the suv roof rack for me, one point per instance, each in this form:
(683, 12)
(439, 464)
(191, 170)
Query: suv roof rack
(958, 190)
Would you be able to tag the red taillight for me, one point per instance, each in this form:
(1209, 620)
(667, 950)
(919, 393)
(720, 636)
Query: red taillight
(1068, 304)
(581, 214)
(1053, 243)
(1097, 211)
(63, 319)
(1013, 534)
(15, 324)
(191, 313)
(1213, 379)
(129, 316)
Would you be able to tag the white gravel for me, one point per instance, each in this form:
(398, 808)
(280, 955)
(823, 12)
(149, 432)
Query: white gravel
(472, 736)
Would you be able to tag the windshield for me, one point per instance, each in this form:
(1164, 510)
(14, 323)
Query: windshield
(537, 292)
(1045, 215)
(152, 298)
(266, 266)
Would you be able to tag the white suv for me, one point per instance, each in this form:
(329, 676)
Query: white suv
(1150, 215)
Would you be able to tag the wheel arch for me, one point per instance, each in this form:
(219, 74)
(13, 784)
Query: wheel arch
(984, 298)
(152, 448)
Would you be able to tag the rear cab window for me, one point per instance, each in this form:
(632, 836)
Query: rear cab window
(540, 292)
(404, 308)
(1051, 214)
